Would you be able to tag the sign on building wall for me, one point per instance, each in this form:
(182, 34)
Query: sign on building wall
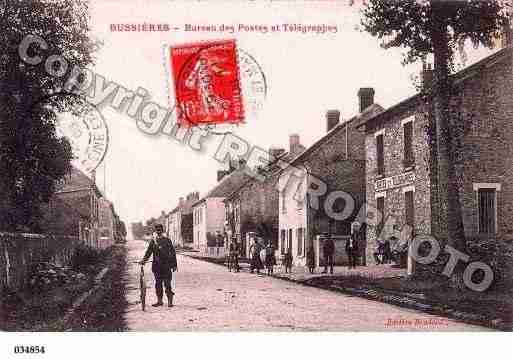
(403, 179)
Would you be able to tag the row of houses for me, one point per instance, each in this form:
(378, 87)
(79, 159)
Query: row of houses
(78, 208)
(377, 167)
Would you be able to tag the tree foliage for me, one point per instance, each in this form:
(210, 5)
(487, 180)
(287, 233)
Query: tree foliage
(440, 28)
(410, 24)
(32, 158)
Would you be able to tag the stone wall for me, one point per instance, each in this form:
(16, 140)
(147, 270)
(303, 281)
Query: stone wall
(484, 108)
(481, 115)
(393, 217)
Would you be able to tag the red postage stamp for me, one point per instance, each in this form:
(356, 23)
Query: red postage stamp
(207, 83)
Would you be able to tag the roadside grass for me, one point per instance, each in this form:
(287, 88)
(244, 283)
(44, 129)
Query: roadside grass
(43, 310)
(104, 309)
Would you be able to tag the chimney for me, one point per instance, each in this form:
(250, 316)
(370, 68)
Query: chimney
(293, 143)
(332, 119)
(427, 77)
(365, 97)
(275, 152)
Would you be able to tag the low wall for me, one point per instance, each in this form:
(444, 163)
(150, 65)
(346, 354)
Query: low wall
(217, 252)
(20, 251)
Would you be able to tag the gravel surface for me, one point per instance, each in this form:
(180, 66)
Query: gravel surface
(209, 298)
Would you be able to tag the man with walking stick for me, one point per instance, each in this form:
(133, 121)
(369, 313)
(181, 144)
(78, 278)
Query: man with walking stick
(164, 263)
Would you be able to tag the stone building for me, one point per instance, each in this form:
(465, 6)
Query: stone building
(253, 207)
(179, 221)
(209, 213)
(400, 160)
(314, 189)
(74, 209)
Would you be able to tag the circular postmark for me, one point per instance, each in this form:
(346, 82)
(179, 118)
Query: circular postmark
(253, 83)
(88, 135)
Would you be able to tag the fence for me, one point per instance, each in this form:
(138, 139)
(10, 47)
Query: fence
(20, 251)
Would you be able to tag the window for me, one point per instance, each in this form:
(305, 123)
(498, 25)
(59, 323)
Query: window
(283, 202)
(299, 241)
(409, 207)
(282, 238)
(289, 240)
(487, 210)
(299, 197)
(381, 210)
(408, 144)
(380, 157)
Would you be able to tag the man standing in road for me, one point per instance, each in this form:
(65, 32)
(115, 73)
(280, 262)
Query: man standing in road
(164, 261)
(328, 248)
(254, 252)
(352, 244)
(234, 255)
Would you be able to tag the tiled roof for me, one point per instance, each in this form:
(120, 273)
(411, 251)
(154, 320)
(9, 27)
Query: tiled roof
(76, 180)
(227, 185)
(269, 169)
(369, 112)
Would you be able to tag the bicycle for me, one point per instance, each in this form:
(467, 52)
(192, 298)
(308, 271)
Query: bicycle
(142, 287)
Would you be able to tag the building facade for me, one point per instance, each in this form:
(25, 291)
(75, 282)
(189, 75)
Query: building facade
(180, 221)
(253, 208)
(311, 202)
(74, 209)
(208, 217)
(209, 213)
(401, 163)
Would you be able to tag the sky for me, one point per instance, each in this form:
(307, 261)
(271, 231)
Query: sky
(306, 75)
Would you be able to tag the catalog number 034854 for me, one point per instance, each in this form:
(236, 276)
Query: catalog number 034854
(29, 349)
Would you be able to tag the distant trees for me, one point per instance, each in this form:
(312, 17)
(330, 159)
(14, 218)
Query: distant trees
(138, 230)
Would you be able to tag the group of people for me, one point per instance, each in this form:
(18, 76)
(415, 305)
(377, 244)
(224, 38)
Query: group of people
(164, 258)
(262, 257)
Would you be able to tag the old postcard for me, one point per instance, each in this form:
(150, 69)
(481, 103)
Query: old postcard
(261, 166)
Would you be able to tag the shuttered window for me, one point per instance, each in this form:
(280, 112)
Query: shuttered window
(380, 157)
(409, 207)
(282, 238)
(486, 203)
(289, 240)
(381, 210)
(408, 144)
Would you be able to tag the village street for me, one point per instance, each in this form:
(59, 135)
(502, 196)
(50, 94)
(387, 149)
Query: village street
(209, 298)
